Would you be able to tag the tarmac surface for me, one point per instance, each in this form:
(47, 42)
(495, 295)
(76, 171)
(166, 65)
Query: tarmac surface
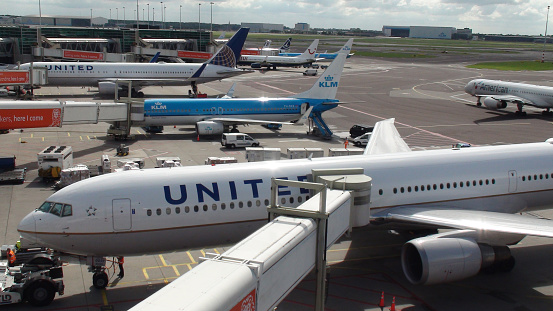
(431, 109)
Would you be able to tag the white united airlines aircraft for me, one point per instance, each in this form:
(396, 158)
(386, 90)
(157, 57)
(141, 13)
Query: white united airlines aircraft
(495, 94)
(103, 75)
(479, 191)
(269, 61)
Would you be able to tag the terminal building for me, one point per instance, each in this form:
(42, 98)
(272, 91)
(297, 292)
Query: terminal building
(264, 27)
(427, 32)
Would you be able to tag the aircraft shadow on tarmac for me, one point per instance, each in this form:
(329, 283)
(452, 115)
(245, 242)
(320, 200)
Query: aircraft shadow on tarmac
(497, 115)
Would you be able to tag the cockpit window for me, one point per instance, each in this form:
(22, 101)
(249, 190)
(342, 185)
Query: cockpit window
(67, 210)
(45, 207)
(56, 210)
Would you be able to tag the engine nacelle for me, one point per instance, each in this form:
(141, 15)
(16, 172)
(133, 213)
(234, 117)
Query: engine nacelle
(494, 104)
(209, 128)
(430, 260)
(256, 65)
(106, 88)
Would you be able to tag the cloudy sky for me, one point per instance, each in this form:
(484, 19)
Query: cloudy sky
(484, 16)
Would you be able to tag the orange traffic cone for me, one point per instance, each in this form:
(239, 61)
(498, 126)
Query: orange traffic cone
(198, 139)
(174, 126)
(393, 306)
(381, 303)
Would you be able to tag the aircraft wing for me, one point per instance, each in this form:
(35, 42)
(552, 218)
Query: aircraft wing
(471, 219)
(385, 139)
(510, 98)
(235, 121)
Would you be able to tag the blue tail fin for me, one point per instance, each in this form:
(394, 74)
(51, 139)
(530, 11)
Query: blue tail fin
(229, 54)
(154, 59)
(286, 46)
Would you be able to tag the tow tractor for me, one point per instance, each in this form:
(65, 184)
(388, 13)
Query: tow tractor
(35, 277)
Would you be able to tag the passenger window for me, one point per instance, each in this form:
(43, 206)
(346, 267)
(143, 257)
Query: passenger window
(168, 211)
(267, 202)
(45, 207)
(187, 209)
(205, 208)
(56, 210)
(196, 208)
(214, 207)
(149, 212)
(300, 199)
(223, 206)
(67, 210)
(240, 204)
(158, 211)
(282, 201)
(231, 205)
(177, 210)
(249, 203)
(257, 203)
(291, 200)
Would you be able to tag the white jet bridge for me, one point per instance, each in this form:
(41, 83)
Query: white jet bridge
(261, 270)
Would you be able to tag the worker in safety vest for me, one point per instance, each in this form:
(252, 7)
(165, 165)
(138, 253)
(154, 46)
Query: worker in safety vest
(11, 257)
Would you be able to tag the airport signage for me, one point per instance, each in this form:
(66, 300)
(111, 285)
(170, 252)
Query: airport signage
(14, 77)
(196, 55)
(250, 52)
(29, 118)
(83, 55)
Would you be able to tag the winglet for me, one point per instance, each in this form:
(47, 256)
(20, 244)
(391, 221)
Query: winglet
(229, 54)
(230, 93)
(327, 85)
(311, 50)
(385, 139)
(154, 59)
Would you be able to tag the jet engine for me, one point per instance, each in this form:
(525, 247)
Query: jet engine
(106, 88)
(256, 65)
(209, 128)
(494, 103)
(430, 260)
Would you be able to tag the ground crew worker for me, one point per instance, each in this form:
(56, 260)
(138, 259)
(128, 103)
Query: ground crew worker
(121, 261)
(346, 144)
(11, 257)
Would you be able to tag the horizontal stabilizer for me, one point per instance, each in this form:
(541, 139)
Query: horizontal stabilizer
(385, 139)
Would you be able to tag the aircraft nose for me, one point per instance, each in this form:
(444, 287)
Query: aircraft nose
(27, 228)
(469, 88)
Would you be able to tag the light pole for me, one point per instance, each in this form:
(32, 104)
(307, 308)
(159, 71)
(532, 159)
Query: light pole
(124, 17)
(148, 5)
(153, 16)
(110, 15)
(137, 15)
(164, 15)
(211, 3)
(117, 20)
(199, 24)
(161, 14)
(90, 17)
(545, 36)
(180, 16)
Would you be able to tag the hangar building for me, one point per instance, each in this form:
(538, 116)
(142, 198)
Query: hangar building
(426, 32)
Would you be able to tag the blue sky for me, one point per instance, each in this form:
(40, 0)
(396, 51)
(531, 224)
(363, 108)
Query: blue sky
(486, 16)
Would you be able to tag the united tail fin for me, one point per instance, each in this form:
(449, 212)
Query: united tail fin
(311, 50)
(229, 54)
(327, 85)
(286, 46)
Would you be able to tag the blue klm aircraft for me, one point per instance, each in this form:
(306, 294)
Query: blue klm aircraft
(213, 116)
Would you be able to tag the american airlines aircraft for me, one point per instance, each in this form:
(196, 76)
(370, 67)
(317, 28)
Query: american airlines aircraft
(258, 61)
(477, 191)
(495, 94)
(327, 57)
(214, 115)
(104, 75)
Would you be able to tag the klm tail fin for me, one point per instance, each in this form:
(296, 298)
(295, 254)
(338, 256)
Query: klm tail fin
(222, 36)
(327, 85)
(311, 50)
(286, 46)
(229, 54)
(346, 49)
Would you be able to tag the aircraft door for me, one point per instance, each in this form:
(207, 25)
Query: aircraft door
(121, 214)
(304, 108)
(213, 110)
(512, 181)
